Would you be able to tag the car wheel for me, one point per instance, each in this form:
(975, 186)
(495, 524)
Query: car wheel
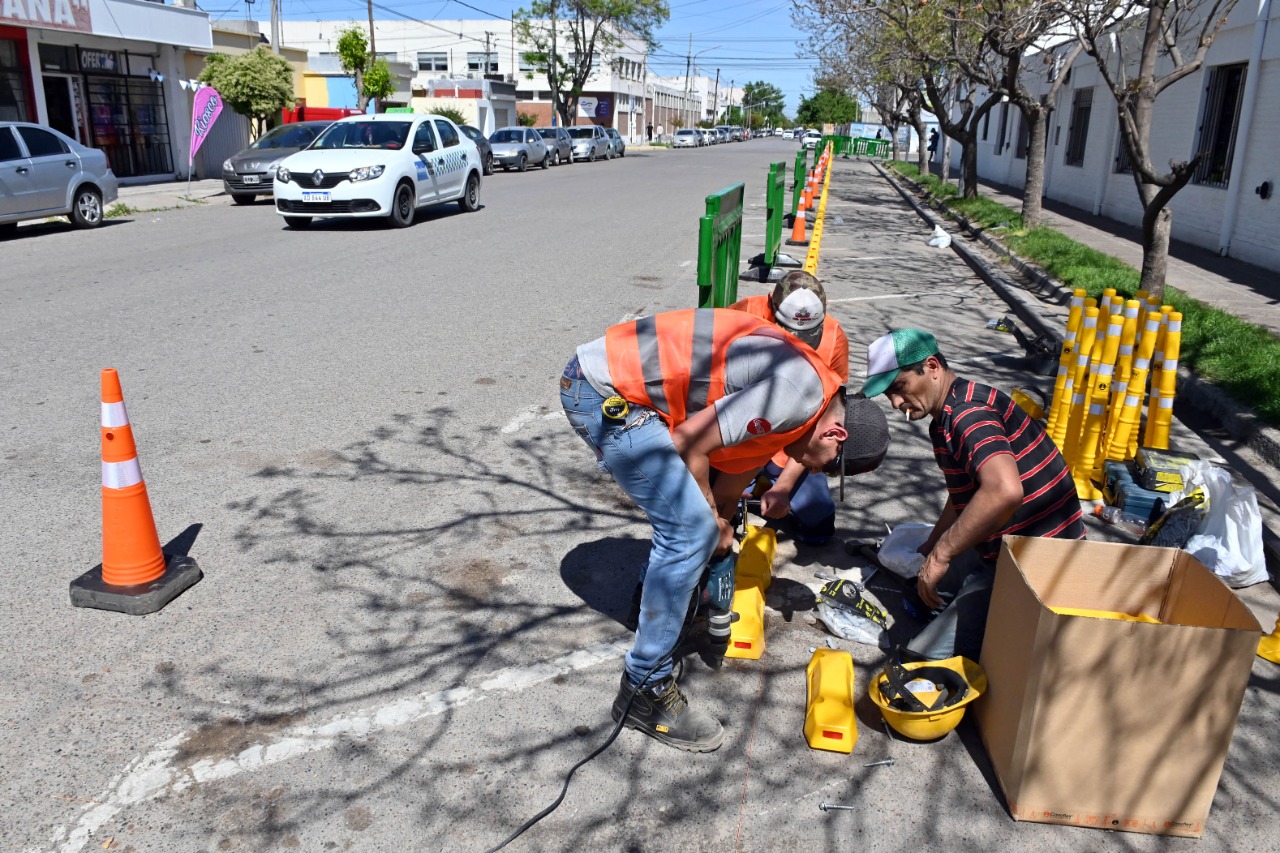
(591, 157)
(556, 160)
(521, 164)
(470, 201)
(488, 164)
(546, 160)
(244, 199)
(402, 207)
(86, 210)
(298, 223)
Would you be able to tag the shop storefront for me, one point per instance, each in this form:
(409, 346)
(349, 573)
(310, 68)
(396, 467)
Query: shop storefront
(107, 73)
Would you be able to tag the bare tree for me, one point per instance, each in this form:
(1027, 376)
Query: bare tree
(1142, 48)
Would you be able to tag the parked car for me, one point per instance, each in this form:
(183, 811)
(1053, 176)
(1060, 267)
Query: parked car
(388, 165)
(558, 140)
(248, 174)
(617, 145)
(45, 173)
(482, 144)
(706, 136)
(811, 139)
(517, 147)
(686, 137)
(589, 142)
(724, 133)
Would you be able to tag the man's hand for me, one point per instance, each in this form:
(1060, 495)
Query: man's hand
(775, 503)
(931, 574)
(726, 537)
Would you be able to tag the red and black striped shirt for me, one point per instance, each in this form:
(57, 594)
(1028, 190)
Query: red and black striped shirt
(978, 423)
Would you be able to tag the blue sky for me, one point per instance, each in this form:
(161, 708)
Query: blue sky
(748, 40)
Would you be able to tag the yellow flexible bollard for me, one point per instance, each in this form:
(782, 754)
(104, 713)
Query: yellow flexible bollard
(1269, 645)
(1063, 380)
(1124, 369)
(1163, 415)
(1157, 365)
(1099, 394)
(1069, 426)
(1131, 414)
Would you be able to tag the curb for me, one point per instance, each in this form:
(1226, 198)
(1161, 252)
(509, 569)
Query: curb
(1241, 422)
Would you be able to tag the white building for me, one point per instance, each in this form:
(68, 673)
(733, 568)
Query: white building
(107, 73)
(1229, 110)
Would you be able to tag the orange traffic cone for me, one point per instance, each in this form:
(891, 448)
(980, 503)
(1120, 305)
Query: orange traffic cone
(135, 577)
(798, 237)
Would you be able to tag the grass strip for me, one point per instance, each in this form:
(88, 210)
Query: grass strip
(1239, 357)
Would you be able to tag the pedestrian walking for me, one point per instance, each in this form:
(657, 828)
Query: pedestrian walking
(933, 142)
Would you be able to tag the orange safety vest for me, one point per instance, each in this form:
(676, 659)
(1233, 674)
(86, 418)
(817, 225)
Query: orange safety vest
(833, 349)
(674, 364)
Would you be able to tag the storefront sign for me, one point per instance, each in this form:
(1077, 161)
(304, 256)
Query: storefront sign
(99, 60)
(587, 107)
(604, 107)
(55, 14)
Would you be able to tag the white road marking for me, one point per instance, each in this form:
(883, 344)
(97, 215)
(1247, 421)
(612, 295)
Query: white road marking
(534, 412)
(684, 264)
(155, 774)
(901, 295)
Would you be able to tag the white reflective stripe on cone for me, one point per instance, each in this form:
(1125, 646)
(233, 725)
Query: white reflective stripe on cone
(1096, 408)
(1132, 401)
(1171, 365)
(121, 475)
(1166, 402)
(114, 415)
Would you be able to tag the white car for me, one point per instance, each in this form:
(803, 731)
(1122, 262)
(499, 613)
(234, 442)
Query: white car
(388, 165)
(811, 139)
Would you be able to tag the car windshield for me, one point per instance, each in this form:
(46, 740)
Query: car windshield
(547, 132)
(364, 134)
(507, 136)
(288, 136)
(582, 132)
(690, 133)
(471, 132)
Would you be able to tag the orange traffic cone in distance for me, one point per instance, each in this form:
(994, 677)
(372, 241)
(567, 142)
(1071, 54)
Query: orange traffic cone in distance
(798, 237)
(136, 577)
(130, 545)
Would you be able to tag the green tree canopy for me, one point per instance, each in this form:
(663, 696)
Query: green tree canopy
(372, 76)
(258, 84)
(765, 100)
(828, 106)
(570, 37)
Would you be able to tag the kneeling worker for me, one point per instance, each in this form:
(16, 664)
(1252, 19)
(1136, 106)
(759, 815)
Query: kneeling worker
(1004, 475)
(798, 305)
(662, 399)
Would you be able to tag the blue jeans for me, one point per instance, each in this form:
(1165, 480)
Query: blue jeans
(640, 456)
(813, 511)
(959, 627)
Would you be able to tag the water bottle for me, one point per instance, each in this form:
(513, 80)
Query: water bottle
(1135, 524)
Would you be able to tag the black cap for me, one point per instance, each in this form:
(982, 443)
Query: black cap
(868, 440)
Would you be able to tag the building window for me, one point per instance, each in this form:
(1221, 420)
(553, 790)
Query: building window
(1124, 166)
(1217, 143)
(986, 125)
(1078, 130)
(486, 63)
(525, 65)
(1024, 138)
(433, 62)
(1004, 128)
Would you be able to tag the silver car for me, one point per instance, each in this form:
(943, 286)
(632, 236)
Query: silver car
(557, 139)
(248, 174)
(44, 173)
(686, 138)
(617, 145)
(589, 142)
(517, 147)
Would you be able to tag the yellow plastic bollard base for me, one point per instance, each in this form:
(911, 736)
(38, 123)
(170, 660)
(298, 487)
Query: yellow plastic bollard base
(755, 557)
(1269, 646)
(746, 637)
(829, 722)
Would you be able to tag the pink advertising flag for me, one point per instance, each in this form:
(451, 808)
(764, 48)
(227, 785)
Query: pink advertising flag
(204, 112)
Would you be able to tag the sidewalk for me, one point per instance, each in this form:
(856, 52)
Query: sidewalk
(1246, 291)
(172, 194)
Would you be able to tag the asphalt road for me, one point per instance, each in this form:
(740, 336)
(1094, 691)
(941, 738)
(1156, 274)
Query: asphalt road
(409, 626)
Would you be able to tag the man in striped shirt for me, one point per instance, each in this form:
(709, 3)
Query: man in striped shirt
(1004, 476)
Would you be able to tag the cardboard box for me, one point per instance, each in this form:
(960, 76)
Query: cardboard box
(1105, 723)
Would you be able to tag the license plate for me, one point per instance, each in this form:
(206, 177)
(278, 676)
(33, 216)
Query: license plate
(315, 196)
(252, 179)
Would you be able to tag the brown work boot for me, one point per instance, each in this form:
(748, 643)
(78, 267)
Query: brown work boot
(662, 712)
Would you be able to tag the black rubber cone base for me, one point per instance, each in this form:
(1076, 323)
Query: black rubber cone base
(89, 590)
(797, 242)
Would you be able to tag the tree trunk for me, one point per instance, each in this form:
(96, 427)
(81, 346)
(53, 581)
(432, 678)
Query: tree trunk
(1033, 190)
(922, 146)
(362, 100)
(969, 168)
(1157, 225)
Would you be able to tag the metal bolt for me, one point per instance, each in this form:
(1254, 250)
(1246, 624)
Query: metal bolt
(826, 807)
(888, 762)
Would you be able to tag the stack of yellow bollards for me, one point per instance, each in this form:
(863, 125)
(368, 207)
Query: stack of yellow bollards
(1111, 349)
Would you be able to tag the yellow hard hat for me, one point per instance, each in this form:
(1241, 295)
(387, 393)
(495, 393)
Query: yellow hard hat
(926, 699)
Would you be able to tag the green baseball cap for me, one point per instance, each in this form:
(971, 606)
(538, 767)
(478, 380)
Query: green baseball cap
(890, 353)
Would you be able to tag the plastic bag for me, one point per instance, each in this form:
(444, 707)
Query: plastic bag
(851, 612)
(1229, 539)
(940, 239)
(900, 552)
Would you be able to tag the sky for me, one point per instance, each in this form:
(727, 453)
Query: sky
(748, 40)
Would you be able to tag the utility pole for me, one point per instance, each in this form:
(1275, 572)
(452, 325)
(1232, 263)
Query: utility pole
(487, 36)
(715, 101)
(373, 47)
(688, 63)
(275, 26)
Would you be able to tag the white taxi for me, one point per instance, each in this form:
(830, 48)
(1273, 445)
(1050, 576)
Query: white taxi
(389, 165)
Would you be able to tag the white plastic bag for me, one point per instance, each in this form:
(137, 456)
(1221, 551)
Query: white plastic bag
(940, 239)
(900, 552)
(847, 612)
(1229, 540)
